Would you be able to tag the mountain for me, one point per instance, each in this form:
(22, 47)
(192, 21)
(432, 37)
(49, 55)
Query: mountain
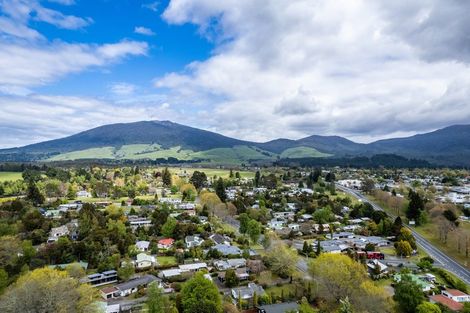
(164, 139)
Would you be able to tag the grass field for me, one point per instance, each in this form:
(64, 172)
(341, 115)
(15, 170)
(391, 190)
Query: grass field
(210, 172)
(167, 260)
(303, 152)
(5, 176)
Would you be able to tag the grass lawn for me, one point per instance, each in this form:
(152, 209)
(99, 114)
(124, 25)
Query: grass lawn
(5, 176)
(166, 260)
(211, 172)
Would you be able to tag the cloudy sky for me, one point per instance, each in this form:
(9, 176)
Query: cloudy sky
(255, 70)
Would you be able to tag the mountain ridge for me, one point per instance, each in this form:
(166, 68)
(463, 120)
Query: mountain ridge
(154, 139)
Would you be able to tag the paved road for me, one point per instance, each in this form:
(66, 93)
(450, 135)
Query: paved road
(446, 262)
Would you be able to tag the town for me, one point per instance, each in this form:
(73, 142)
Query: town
(182, 239)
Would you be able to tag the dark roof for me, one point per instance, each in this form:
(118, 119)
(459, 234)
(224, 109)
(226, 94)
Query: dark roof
(278, 308)
(136, 282)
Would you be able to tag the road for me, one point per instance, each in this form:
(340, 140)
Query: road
(445, 261)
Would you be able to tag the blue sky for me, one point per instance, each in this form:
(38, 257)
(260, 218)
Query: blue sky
(254, 70)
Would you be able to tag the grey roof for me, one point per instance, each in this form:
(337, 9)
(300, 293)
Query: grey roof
(226, 250)
(278, 308)
(136, 282)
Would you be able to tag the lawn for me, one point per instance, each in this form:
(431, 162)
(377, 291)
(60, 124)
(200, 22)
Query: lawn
(166, 260)
(211, 172)
(278, 291)
(5, 176)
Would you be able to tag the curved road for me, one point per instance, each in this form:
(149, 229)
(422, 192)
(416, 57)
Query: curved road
(446, 262)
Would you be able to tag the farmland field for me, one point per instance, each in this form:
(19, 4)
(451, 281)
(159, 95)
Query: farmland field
(4, 176)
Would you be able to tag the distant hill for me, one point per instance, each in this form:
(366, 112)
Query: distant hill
(164, 139)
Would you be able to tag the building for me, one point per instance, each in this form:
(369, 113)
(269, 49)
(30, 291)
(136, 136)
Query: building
(144, 261)
(227, 250)
(193, 241)
(456, 295)
(219, 239)
(449, 303)
(246, 293)
(99, 279)
(131, 286)
(142, 245)
(166, 243)
(57, 232)
(83, 194)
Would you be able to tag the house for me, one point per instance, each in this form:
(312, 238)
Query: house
(278, 308)
(456, 295)
(447, 302)
(99, 279)
(144, 261)
(424, 285)
(131, 286)
(223, 265)
(226, 250)
(83, 194)
(108, 292)
(294, 227)
(170, 273)
(377, 268)
(194, 267)
(137, 222)
(193, 241)
(242, 273)
(187, 206)
(246, 292)
(340, 235)
(283, 215)
(219, 239)
(142, 245)
(57, 232)
(166, 243)
(275, 224)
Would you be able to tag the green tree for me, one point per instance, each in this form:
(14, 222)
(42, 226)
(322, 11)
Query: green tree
(254, 230)
(157, 302)
(403, 248)
(198, 179)
(408, 294)
(257, 178)
(231, 279)
(3, 280)
(168, 228)
(220, 189)
(305, 307)
(200, 295)
(34, 195)
(244, 220)
(282, 260)
(126, 271)
(166, 177)
(428, 307)
(415, 206)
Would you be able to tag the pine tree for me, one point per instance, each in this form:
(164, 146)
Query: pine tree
(166, 177)
(220, 189)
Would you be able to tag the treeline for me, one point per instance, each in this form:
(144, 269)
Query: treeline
(21, 167)
(378, 160)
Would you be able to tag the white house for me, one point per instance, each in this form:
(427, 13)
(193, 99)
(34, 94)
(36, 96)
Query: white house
(456, 295)
(83, 194)
(144, 261)
(142, 245)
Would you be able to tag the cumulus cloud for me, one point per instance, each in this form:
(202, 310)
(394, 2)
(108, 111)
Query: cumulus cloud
(122, 89)
(143, 31)
(365, 70)
(36, 117)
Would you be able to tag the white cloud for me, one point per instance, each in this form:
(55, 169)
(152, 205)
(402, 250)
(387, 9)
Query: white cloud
(28, 64)
(294, 68)
(153, 6)
(35, 118)
(143, 31)
(122, 89)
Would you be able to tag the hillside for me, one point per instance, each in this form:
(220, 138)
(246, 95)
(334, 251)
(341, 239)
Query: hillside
(163, 139)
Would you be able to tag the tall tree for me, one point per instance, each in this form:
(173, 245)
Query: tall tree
(166, 177)
(257, 178)
(200, 295)
(198, 179)
(254, 230)
(220, 190)
(34, 195)
(415, 206)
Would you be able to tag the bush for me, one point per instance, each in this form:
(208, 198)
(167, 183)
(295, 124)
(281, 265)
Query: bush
(453, 281)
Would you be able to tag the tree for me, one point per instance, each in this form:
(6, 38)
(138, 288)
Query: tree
(368, 185)
(220, 189)
(34, 195)
(257, 178)
(166, 177)
(415, 206)
(428, 307)
(168, 228)
(157, 302)
(254, 230)
(200, 295)
(282, 260)
(48, 290)
(407, 235)
(345, 306)
(231, 279)
(305, 307)
(3, 280)
(408, 294)
(244, 219)
(198, 179)
(403, 248)
(338, 276)
(126, 271)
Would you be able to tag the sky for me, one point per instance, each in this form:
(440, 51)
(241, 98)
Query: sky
(253, 70)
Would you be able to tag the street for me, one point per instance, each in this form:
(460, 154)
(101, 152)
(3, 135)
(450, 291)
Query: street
(444, 260)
